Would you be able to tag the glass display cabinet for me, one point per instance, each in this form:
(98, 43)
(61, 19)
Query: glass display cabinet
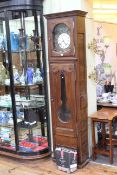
(24, 131)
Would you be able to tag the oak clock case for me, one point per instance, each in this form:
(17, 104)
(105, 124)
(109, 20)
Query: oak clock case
(24, 131)
(67, 64)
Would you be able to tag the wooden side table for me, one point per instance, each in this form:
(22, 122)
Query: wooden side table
(105, 115)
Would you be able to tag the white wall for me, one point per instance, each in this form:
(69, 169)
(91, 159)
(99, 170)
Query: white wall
(52, 6)
(91, 86)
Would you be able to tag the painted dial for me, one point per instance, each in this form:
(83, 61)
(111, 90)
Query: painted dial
(64, 40)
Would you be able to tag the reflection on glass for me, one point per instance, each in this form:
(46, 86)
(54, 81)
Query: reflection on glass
(64, 112)
(7, 136)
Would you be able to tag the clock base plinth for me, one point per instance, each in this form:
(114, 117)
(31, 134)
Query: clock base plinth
(83, 164)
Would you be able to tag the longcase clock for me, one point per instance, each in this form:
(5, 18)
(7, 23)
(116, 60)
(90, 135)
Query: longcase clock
(67, 66)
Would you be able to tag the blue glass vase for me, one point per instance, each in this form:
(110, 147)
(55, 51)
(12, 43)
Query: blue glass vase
(29, 75)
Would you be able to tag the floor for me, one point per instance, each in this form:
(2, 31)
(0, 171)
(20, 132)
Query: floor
(46, 166)
(105, 159)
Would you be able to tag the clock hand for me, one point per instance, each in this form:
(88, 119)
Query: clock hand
(63, 40)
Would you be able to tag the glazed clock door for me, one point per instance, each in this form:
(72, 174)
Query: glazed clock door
(63, 99)
(61, 36)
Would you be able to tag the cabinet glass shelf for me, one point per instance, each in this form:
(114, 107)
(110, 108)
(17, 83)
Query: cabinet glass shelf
(21, 51)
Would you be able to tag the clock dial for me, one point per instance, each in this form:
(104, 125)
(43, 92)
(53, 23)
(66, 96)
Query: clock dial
(61, 37)
(64, 40)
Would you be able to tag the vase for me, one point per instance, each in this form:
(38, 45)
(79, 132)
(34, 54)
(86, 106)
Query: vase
(22, 78)
(38, 76)
(16, 75)
(2, 44)
(29, 75)
(14, 41)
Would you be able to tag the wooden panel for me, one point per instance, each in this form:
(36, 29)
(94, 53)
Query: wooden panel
(70, 142)
(83, 101)
(84, 124)
(84, 138)
(80, 24)
(83, 114)
(81, 54)
(65, 131)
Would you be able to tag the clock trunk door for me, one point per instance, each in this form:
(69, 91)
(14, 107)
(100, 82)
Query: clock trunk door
(62, 79)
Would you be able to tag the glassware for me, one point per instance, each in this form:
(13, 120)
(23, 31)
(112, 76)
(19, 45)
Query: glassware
(16, 75)
(22, 39)
(35, 38)
(2, 73)
(29, 75)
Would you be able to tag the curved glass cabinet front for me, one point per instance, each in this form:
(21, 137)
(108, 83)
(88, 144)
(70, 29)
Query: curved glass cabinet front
(23, 119)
